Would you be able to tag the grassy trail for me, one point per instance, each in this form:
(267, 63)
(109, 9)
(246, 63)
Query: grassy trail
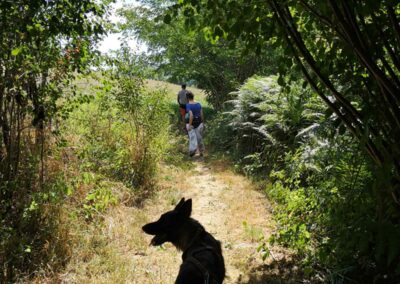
(115, 250)
(224, 202)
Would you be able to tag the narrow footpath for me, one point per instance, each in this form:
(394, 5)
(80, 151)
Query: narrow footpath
(227, 205)
(231, 209)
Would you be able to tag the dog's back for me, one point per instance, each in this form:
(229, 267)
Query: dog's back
(202, 262)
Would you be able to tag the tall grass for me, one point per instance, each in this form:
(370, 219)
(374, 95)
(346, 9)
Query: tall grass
(122, 133)
(107, 151)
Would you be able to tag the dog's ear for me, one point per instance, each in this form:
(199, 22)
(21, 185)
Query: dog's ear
(186, 209)
(179, 205)
(151, 228)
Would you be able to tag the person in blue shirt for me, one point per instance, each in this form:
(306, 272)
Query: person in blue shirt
(195, 126)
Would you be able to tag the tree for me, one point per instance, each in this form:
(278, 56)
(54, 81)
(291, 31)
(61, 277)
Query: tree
(187, 56)
(348, 51)
(42, 45)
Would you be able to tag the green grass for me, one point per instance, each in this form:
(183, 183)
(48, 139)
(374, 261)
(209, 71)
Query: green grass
(172, 91)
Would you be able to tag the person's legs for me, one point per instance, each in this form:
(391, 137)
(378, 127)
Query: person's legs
(182, 112)
(199, 136)
(192, 142)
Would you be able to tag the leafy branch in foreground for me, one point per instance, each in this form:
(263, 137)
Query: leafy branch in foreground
(347, 51)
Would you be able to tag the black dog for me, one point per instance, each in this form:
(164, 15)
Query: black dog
(202, 256)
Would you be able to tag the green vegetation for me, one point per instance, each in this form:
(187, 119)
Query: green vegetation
(302, 96)
(321, 182)
(68, 139)
(264, 122)
(334, 177)
(43, 44)
(179, 55)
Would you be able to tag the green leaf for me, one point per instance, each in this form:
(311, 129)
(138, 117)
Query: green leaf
(167, 19)
(281, 81)
(328, 113)
(16, 51)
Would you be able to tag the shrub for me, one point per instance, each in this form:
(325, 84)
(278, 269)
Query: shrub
(123, 132)
(330, 195)
(325, 189)
(263, 122)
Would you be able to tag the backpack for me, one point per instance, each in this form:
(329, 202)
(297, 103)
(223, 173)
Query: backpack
(196, 120)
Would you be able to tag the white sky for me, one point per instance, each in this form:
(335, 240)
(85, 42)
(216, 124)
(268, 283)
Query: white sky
(112, 41)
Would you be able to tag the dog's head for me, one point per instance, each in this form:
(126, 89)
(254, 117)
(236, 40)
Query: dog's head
(167, 227)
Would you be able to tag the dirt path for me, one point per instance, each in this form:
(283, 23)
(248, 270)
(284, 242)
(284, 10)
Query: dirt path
(225, 203)
(231, 209)
(234, 213)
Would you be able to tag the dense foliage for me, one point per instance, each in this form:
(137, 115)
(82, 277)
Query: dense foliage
(322, 183)
(182, 56)
(42, 45)
(344, 49)
(267, 119)
(124, 130)
(347, 51)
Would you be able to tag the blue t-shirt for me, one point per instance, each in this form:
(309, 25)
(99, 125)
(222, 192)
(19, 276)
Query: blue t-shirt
(195, 108)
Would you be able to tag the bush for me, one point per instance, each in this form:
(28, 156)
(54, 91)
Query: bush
(31, 235)
(123, 132)
(263, 122)
(327, 193)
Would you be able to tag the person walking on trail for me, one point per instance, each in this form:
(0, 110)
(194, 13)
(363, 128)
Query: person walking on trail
(195, 125)
(182, 101)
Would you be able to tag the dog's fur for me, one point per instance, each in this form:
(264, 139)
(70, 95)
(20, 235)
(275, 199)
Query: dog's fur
(202, 254)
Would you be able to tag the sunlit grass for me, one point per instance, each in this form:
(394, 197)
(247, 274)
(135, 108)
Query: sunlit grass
(173, 89)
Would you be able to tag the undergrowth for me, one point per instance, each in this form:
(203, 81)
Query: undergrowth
(107, 152)
(328, 196)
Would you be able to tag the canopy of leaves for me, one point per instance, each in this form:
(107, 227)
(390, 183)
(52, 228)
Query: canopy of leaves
(348, 52)
(184, 56)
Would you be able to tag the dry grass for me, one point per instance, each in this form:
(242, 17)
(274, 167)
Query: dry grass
(173, 89)
(117, 251)
(113, 249)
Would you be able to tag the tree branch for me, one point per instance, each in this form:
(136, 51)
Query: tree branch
(355, 116)
(395, 59)
(395, 23)
(351, 121)
(379, 75)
